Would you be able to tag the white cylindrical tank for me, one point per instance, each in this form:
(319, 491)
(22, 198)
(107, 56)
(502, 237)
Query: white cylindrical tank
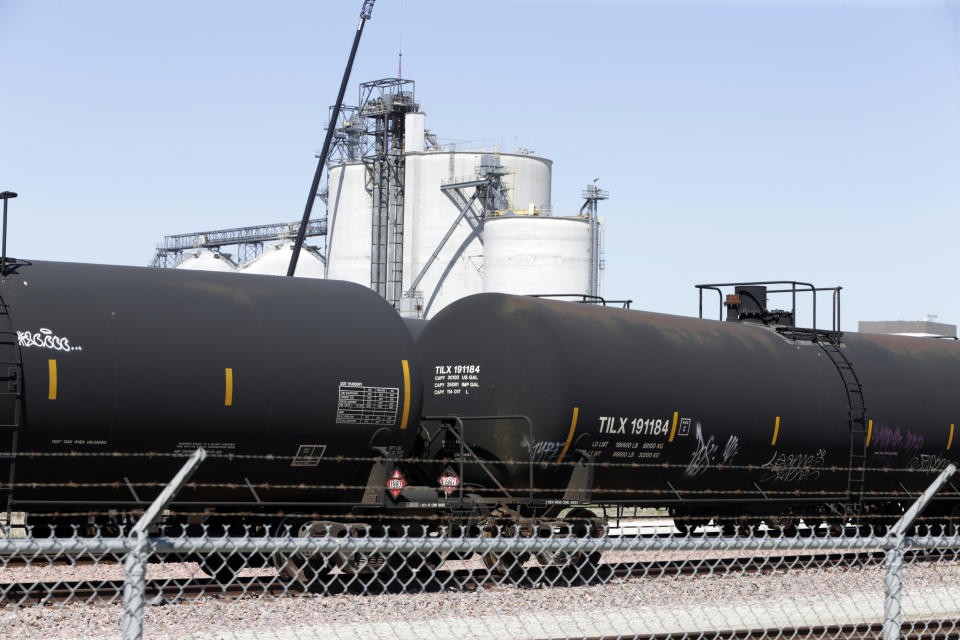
(275, 260)
(457, 270)
(349, 218)
(207, 260)
(526, 255)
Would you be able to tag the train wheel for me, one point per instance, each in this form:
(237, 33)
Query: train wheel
(586, 524)
(507, 562)
(307, 570)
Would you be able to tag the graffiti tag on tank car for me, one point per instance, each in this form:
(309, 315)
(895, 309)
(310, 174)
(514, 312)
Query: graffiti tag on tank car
(886, 441)
(543, 451)
(928, 462)
(793, 467)
(455, 379)
(707, 453)
(45, 339)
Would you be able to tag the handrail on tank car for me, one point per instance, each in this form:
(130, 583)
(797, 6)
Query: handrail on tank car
(463, 445)
(585, 298)
(835, 298)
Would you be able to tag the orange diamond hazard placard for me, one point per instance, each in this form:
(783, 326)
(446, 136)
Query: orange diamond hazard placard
(449, 481)
(396, 483)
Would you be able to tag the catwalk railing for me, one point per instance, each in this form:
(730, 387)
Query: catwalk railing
(573, 579)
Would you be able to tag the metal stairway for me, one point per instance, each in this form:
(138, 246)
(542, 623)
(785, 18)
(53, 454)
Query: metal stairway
(856, 419)
(11, 385)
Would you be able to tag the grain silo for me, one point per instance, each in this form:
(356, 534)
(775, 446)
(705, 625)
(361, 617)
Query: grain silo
(348, 239)
(408, 216)
(422, 223)
(440, 185)
(542, 255)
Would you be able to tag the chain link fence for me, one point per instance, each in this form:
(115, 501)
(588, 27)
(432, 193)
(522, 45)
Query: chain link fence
(578, 576)
(329, 582)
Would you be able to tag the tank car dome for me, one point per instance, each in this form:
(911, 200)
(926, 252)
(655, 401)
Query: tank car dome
(276, 258)
(207, 260)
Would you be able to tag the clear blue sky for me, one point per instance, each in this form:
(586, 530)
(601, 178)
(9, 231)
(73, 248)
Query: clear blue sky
(813, 141)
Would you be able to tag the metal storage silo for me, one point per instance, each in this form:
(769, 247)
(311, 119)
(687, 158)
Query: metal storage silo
(206, 260)
(350, 217)
(529, 179)
(527, 255)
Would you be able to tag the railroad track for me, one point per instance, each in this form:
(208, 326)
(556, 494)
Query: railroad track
(173, 590)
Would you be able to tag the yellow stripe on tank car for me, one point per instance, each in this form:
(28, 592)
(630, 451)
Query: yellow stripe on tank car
(673, 429)
(228, 392)
(406, 394)
(950, 439)
(776, 431)
(52, 395)
(870, 433)
(573, 427)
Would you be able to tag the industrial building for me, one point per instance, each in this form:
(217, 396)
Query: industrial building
(926, 328)
(425, 223)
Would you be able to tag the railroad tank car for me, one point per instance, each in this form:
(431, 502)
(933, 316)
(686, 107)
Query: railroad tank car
(132, 360)
(703, 416)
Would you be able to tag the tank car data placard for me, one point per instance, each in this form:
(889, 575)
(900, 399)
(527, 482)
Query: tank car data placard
(454, 379)
(637, 437)
(358, 404)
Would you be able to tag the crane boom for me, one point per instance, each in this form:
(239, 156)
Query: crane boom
(365, 13)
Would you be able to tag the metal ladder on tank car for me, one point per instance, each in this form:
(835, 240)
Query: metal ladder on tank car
(11, 384)
(856, 419)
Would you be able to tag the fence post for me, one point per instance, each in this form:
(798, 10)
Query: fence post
(892, 584)
(135, 563)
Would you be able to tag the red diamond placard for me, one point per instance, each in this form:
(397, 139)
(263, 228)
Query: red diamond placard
(396, 483)
(449, 481)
